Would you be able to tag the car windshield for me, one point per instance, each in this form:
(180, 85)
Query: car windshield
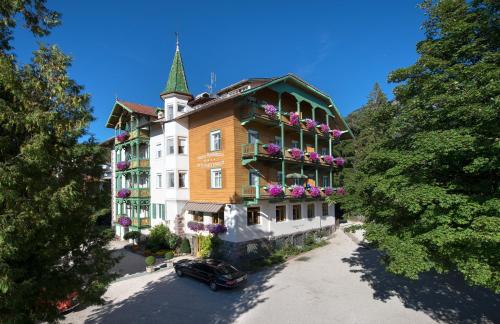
(226, 269)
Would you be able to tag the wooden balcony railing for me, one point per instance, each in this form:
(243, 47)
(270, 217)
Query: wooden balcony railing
(142, 192)
(141, 222)
(143, 163)
(138, 133)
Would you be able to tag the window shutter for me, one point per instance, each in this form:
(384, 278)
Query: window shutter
(154, 211)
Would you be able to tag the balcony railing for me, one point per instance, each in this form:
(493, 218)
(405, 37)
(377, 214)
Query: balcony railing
(140, 192)
(259, 192)
(138, 133)
(255, 150)
(141, 222)
(143, 163)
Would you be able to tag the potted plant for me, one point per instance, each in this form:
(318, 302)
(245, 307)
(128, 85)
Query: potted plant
(270, 111)
(310, 123)
(150, 262)
(275, 190)
(168, 258)
(296, 153)
(314, 192)
(272, 149)
(294, 118)
(297, 191)
(135, 236)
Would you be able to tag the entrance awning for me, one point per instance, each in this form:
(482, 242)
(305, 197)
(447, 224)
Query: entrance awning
(203, 207)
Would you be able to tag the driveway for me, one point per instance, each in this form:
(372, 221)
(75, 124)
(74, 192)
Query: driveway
(339, 283)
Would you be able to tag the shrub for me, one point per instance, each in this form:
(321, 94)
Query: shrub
(169, 255)
(161, 238)
(185, 246)
(132, 235)
(309, 239)
(150, 260)
(205, 244)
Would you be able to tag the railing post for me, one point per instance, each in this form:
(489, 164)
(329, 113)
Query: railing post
(257, 188)
(282, 134)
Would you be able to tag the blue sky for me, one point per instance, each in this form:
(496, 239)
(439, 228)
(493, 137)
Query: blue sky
(125, 48)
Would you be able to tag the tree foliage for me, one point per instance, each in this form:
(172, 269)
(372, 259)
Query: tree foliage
(49, 178)
(429, 183)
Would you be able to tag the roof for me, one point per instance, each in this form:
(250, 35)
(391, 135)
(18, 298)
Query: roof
(177, 78)
(203, 206)
(130, 107)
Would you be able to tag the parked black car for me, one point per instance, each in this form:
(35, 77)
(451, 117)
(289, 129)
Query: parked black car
(215, 273)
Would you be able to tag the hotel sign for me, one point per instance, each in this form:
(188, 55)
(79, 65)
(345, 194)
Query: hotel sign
(210, 160)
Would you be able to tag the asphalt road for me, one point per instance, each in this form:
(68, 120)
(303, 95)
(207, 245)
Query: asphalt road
(339, 283)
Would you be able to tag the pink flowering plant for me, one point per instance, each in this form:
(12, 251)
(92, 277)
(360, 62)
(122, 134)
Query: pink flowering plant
(297, 191)
(336, 133)
(124, 221)
(294, 118)
(275, 190)
(296, 153)
(272, 149)
(324, 128)
(270, 110)
(123, 193)
(122, 165)
(314, 192)
(122, 137)
(328, 159)
(339, 162)
(328, 191)
(340, 191)
(310, 124)
(314, 157)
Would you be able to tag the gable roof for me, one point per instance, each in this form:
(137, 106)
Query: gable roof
(130, 107)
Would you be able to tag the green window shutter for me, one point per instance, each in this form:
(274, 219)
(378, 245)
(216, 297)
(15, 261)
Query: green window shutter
(163, 211)
(154, 210)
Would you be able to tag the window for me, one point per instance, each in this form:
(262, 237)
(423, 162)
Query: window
(215, 140)
(170, 112)
(181, 145)
(295, 144)
(277, 140)
(218, 218)
(170, 179)
(158, 180)
(253, 137)
(324, 151)
(279, 176)
(298, 181)
(158, 151)
(253, 216)
(162, 211)
(310, 211)
(198, 217)
(170, 145)
(180, 108)
(324, 209)
(153, 207)
(182, 179)
(216, 178)
(280, 213)
(325, 181)
(253, 177)
(296, 212)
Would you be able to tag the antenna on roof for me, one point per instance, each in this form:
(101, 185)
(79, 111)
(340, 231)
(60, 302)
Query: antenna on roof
(213, 80)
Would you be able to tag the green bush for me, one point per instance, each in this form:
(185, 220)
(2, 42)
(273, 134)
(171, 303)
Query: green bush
(150, 260)
(205, 245)
(160, 238)
(132, 235)
(169, 255)
(309, 240)
(185, 246)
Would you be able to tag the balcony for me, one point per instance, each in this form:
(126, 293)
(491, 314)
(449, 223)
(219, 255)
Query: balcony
(143, 163)
(253, 151)
(141, 222)
(143, 133)
(256, 192)
(139, 193)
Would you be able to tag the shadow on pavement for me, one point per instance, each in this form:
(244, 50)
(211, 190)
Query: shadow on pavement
(185, 300)
(445, 298)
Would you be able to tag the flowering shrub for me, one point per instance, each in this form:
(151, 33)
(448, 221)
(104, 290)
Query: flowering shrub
(124, 221)
(122, 137)
(339, 162)
(315, 192)
(314, 157)
(272, 149)
(123, 193)
(294, 118)
(310, 124)
(341, 191)
(336, 133)
(196, 226)
(324, 128)
(328, 191)
(122, 165)
(216, 228)
(328, 159)
(297, 191)
(296, 153)
(270, 111)
(275, 190)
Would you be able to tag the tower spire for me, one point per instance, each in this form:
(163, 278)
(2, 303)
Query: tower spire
(177, 82)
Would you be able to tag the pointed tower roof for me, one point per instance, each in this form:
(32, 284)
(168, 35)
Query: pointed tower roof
(177, 78)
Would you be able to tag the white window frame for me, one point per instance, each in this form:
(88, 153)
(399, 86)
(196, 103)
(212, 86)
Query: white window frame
(213, 144)
(327, 182)
(172, 140)
(295, 144)
(170, 112)
(179, 106)
(170, 173)
(158, 151)
(179, 139)
(213, 183)
(185, 179)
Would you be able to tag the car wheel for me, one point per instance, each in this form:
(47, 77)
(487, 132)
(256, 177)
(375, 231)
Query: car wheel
(213, 285)
(179, 272)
